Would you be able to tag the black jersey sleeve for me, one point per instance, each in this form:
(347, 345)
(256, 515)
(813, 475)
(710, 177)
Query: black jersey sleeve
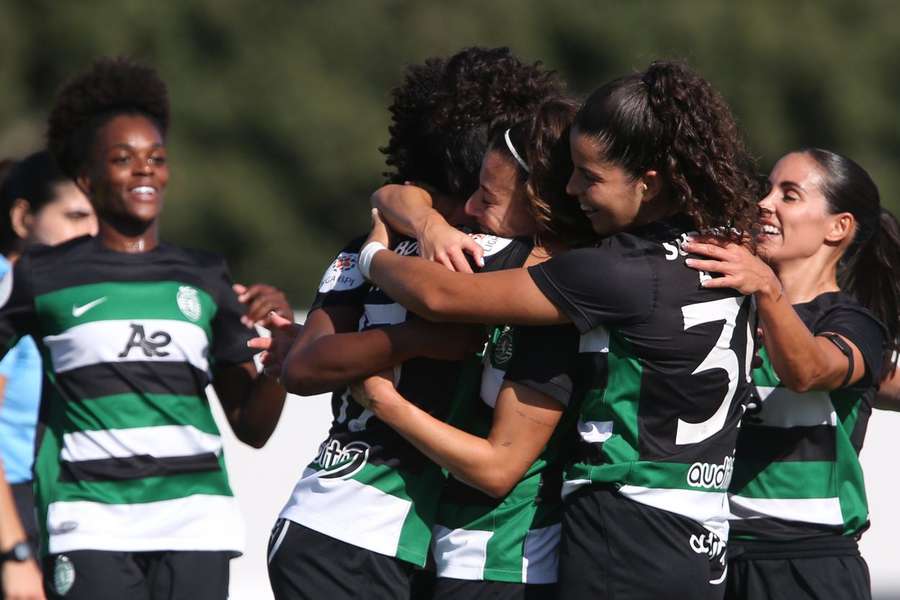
(18, 317)
(230, 336)
(848, 319)
(544, 359)
(343, 284)
(598, 286)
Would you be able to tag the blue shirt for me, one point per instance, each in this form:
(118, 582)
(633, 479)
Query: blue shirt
(19, 412)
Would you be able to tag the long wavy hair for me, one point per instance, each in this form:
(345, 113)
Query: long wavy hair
(671, 120)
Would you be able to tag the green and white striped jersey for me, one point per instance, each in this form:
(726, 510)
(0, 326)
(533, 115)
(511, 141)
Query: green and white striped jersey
(797, 472)
(131, 459)
(368, 486)
(660, 407)
(515, 538)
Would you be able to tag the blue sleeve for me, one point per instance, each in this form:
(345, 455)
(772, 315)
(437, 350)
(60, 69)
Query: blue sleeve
(8, 364)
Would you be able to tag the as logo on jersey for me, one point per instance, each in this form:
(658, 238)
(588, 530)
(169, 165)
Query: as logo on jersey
(188, 300)
(152, 345)
(341, 461)
(342, 274)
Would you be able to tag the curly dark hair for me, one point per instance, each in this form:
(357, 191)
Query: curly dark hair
(443, 112)
(542, 141)
(112, 86)
(671, 120)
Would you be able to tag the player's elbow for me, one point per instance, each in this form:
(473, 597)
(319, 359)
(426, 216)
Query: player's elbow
(800, 384)
(251, 437)
(302, 380)
(498, 489)
(301, 373)
(497, 483)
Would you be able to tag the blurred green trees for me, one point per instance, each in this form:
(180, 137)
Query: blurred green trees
(279, 106)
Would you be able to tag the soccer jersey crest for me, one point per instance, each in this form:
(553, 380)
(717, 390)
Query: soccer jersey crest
(503, 347)
(189, 302)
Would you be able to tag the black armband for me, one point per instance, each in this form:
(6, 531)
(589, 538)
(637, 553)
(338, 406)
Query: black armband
(845, 350)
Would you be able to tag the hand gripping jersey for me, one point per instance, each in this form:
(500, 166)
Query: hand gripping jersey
(797, 472)
(515, 538)
(368, 486)
(659, 420)
(131, 459)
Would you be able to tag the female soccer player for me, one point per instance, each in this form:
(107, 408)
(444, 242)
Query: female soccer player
(497, 530)
(40, 205)
(657, 154)
(131, 489)
(361, 515)
(828, 304)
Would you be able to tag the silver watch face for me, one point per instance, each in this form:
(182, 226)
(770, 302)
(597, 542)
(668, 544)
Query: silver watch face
(21, 552)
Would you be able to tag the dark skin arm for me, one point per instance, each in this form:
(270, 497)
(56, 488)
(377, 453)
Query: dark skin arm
(328, 352)
(331, 353)
(253, 401)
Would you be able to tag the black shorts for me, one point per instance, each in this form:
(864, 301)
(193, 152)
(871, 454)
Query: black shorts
(105, 575)
(820, 569)
(453, 589)
(307, 565)
(613, 547)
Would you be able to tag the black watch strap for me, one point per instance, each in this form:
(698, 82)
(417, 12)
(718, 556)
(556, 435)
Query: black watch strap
(19, 552)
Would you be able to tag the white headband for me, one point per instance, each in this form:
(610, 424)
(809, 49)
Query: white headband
(515, 154)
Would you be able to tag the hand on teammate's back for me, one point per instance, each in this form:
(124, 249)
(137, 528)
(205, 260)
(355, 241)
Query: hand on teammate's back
(739, 267)
(21, 581)
(442, 243)
(261, 299)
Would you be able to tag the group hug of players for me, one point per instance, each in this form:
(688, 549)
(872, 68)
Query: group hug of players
(645, 373)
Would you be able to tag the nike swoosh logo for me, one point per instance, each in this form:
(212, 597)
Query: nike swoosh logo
(77, 311)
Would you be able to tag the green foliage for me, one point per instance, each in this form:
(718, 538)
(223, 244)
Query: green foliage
(279, 106)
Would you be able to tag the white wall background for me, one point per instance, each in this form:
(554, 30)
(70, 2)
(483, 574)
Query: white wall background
(263, 480)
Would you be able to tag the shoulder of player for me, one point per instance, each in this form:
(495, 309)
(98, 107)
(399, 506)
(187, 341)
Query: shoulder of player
(202, 258)
(76, 248)
(832, 305)
(342, 273)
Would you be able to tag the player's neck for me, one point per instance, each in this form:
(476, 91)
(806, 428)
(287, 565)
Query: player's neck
(803, 281)
(129, 240)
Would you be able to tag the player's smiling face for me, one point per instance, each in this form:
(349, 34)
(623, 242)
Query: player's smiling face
(610, 197)
(128, 172)
(500, 204)
(794, 218)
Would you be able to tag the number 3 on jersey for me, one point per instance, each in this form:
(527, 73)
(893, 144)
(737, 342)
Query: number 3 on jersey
(722, 356)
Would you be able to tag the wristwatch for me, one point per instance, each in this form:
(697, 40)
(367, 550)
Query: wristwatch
(20, 552)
